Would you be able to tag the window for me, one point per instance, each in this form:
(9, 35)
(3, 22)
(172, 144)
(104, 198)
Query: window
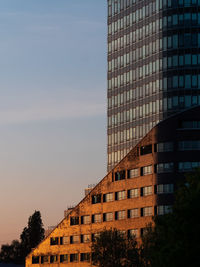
(165, 167)
(64, 240)
(120, 215)
(188, 166)
(63, 258)
(146, 170)
(108, 197)
(108, 217)
(146, 150)
(187, 81)
(164, 147)
(85, 256)
(74, 220)
(133, 173)
(96, 218)
(133, 233)
(143, 231)
(165, 188)
(53, 241)
(146, 191)
(74, 239)
(189, 145)
(133, 193)
(133, 213)
(96, 199)
(94, 236)
(85, 219)
(35, 260)
(53, 258)
(190, 124)
(122, 233)
(44, 259)
(119, 175)
(85, 238)
(120, 195)
(73, 257)
(147, 211)
(161, 210)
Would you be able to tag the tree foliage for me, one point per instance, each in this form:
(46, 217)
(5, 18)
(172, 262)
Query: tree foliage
(174, 241)
(30, 237)
(10, 253)
(33, 234)
(112, 249)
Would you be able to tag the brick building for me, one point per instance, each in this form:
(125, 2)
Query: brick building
(140, 186)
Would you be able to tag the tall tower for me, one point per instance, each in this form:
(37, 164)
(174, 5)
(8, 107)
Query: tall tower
(153, 67)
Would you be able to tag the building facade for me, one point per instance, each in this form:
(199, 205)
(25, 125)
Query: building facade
(153, 67)
(139, 187)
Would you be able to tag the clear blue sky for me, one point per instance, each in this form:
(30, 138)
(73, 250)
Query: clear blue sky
(52, 107)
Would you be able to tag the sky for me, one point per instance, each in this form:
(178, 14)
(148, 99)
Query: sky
(52, 107)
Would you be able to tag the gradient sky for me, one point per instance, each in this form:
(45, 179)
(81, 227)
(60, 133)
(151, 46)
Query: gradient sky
(52, 107)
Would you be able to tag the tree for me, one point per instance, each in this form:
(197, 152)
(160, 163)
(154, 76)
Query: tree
(11, 253)
(6, 251)
(31, 236)
(174, 241)
(111, 249)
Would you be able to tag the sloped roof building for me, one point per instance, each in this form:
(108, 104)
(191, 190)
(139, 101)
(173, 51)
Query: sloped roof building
(139, 187)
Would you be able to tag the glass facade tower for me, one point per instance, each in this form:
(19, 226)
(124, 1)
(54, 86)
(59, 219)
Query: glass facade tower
(153, 67)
